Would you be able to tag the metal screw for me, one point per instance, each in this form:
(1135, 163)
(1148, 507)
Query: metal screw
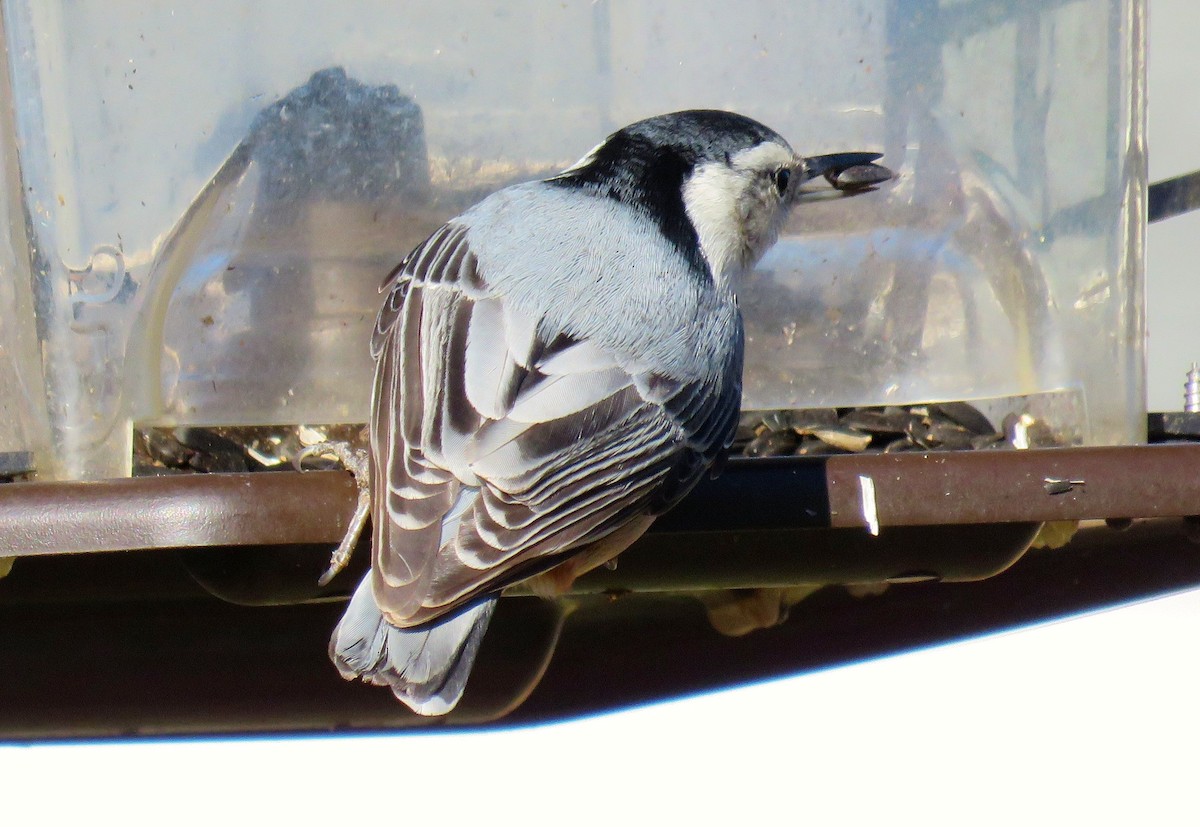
(1191, 391)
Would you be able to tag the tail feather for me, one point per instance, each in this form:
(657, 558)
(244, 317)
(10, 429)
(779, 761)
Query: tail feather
(426, 668)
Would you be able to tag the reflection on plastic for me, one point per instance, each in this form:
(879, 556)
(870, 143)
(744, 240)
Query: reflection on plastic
(265, 292)
(211, 256)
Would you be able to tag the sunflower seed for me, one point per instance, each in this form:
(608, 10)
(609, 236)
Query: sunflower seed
(846, 439)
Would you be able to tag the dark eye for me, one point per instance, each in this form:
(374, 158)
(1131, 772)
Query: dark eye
(782, 176)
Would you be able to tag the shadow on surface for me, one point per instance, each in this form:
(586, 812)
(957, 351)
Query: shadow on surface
(96, 646)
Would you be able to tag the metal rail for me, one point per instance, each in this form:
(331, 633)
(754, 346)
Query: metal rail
(909, 489)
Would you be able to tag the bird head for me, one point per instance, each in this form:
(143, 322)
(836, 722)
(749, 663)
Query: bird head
(719, 185)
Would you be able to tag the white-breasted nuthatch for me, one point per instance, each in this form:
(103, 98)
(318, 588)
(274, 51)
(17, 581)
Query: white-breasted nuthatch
(555, 367)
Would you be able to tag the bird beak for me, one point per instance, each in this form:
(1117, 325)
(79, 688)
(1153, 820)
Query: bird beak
(847, 170)
(825, 164)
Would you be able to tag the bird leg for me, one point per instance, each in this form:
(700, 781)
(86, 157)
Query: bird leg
(356, 461)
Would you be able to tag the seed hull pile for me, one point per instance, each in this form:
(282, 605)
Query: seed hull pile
(947, 426)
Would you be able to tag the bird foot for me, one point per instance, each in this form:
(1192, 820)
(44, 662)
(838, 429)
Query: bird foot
(357, 462)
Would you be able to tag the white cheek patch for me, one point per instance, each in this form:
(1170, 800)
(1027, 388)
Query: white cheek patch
(711, 197)
(716, 196)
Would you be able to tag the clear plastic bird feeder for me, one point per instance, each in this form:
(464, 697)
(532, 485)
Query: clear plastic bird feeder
(203, 198)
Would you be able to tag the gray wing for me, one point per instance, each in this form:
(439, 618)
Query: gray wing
(498, 444)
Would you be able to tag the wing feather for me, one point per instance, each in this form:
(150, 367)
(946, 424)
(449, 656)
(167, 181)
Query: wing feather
(501, 444)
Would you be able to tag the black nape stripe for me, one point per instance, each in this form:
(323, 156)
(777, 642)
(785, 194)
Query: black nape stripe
(646, 164)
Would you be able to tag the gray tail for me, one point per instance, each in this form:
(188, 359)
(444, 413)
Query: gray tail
(426, 668)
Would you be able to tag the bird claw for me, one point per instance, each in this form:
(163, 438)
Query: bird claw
(357, 462)
(354, 460)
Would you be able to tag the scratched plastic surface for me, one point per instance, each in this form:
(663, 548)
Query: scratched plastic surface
(209, 194)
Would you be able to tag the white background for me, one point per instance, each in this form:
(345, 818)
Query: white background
(1087, 721)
